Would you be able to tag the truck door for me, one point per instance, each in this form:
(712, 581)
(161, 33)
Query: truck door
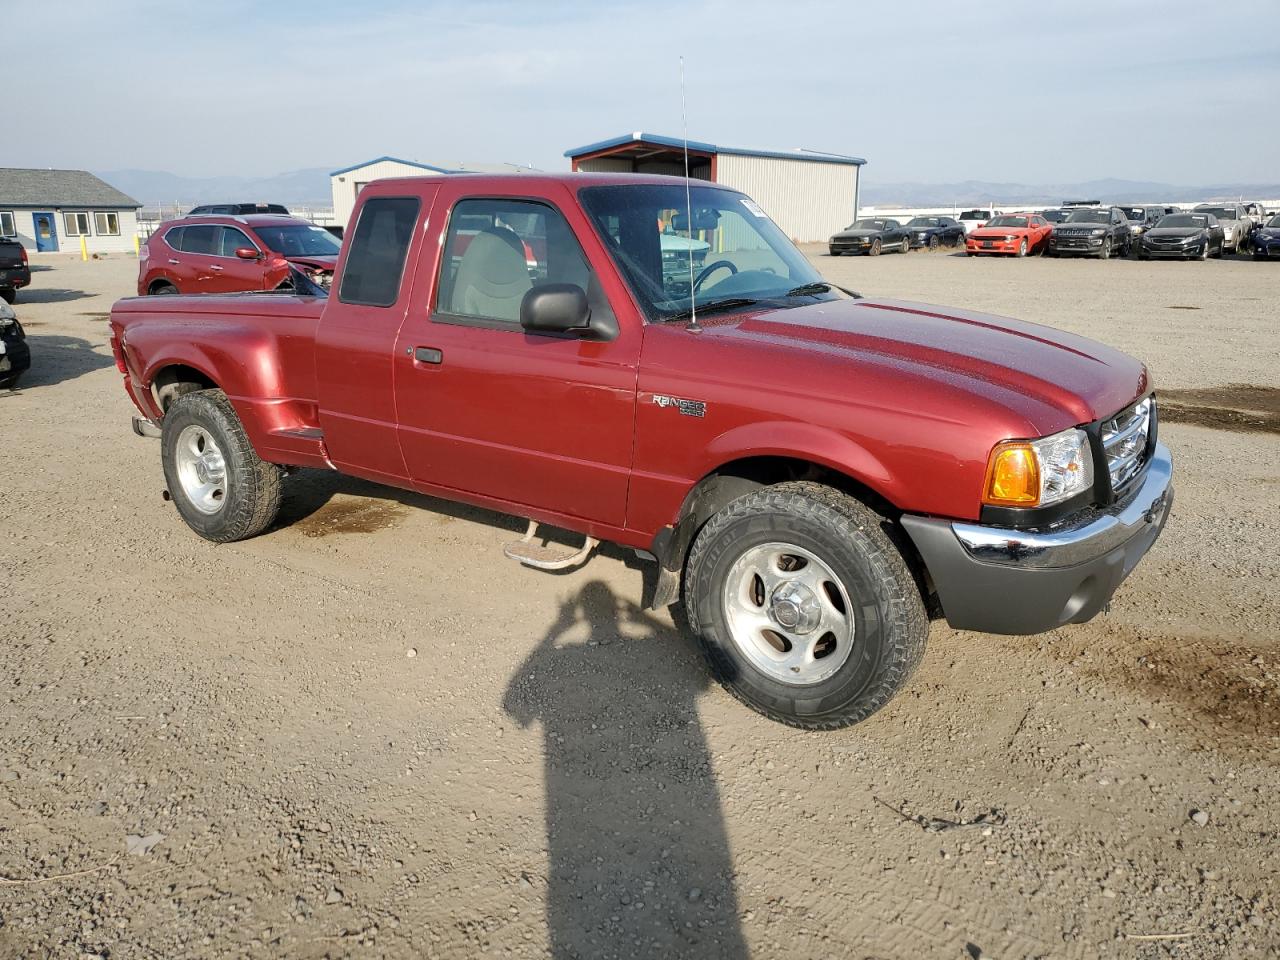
(526, 420)
(356, 338)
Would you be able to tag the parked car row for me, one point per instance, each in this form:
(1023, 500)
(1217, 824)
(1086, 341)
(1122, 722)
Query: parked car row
(1078, 228)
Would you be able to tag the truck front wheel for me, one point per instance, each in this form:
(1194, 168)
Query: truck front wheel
(220, 487)
(803, 606)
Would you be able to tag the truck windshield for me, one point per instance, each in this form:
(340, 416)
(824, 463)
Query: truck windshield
(1090, 216)
(738, 255)
(300, 241)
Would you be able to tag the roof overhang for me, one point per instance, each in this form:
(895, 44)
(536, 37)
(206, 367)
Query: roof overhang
(648, 146)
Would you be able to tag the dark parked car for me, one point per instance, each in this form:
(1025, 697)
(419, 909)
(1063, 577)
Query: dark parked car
(14, 271)
(1142, 217)
(1236, 225)
(932, 232)
(1266, 241)
(15, 355)
(871, 236)
(239, 209)
(1182, 235)
(1092, 232)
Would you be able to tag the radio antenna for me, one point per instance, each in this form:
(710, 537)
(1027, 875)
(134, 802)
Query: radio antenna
(688, 207)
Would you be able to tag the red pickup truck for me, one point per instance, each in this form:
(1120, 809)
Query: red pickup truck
(815, 473)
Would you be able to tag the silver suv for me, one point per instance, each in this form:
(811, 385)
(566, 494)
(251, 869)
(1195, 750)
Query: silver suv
(1236, 225)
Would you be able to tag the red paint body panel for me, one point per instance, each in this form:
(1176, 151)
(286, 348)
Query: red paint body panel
(907, 399)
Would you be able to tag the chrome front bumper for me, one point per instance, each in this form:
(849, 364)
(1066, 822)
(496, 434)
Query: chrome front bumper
(1002, 580)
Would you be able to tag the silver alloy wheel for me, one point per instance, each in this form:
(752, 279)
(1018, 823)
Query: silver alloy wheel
(788, 613)
(201, 469)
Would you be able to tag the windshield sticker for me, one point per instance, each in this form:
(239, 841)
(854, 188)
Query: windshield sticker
(755, 209)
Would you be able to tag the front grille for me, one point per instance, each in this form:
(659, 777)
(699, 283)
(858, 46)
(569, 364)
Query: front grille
(1125, 441)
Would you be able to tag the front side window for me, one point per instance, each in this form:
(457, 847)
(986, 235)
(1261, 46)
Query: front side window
(76, 224)
(107, 224)
(496, 251)
(379, 248)
(233, 240)
(7, 228)
(299, 240)
(720, 248)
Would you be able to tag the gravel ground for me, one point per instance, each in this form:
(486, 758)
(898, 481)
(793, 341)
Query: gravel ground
(367, 734)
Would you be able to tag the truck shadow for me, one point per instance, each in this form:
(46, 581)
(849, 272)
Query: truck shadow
(58, 358)
(638, 854)
(30, 295)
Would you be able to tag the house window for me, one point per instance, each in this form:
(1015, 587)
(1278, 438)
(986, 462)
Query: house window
(107, 224)
(7, 228)
(76, 224)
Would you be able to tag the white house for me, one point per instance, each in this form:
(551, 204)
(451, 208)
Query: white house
(51, 210)
(349, 181)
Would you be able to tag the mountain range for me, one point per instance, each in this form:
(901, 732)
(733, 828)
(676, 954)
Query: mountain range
(976, 192)
(310, 188)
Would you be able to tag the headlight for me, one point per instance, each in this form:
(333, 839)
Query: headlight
(1039, 473)
(1099, 232)
(1009, 239)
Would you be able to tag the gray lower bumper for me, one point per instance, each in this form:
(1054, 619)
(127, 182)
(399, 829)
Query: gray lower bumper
(1001, 580)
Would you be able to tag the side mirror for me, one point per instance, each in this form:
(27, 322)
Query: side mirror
(246, 253)
(555, 308)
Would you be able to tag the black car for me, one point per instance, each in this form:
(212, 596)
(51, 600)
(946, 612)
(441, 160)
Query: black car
(932, 232)
(239, 209)
(870, 236)
(15, 355)
(1185, 236)
(14, 271)
(1266, 240)
(1092, 232)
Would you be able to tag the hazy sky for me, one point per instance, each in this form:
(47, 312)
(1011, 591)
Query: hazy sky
(928, 90)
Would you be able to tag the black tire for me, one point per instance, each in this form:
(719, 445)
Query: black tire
(1105, 252)
(875, 248)
(835, 253)
(889, 619)
(164, 290)
(934, 243)
(1204, 251)
(1023, 247)
(253, 487)
(9, 294)
(1220, 251)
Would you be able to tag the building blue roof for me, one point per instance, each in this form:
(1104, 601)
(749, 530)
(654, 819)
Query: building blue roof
(700, 146)
(407, 163)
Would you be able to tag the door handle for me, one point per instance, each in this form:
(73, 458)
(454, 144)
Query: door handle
(428, 355)
(214, 266)
(174, 262)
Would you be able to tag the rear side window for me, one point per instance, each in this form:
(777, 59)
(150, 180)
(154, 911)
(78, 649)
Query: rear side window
(200, 240)
(379, 247)
(174, 237)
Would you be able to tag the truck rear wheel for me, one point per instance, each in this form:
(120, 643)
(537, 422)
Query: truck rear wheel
(220, 487)
(803, 606)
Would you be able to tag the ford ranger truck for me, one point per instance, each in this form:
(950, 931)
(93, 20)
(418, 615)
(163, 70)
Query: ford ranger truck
(815, 473)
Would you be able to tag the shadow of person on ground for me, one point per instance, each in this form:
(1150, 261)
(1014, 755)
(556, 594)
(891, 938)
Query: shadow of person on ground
(58, 358)
(639, 858)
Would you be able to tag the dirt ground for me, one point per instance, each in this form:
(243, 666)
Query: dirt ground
(368, 734)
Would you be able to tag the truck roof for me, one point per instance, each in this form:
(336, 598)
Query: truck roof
(524, 183)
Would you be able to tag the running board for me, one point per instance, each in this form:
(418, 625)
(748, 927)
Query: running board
(531, 554)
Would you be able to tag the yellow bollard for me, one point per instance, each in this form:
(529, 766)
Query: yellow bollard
(137, 246)
(84, 248)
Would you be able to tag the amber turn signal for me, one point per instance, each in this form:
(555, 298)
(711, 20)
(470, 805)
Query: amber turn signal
(1013, 476)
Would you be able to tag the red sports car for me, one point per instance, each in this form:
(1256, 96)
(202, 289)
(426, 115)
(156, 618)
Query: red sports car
(1017, 234)
(226, 254)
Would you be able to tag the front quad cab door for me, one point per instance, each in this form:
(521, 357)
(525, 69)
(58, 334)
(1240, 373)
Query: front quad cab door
(528, 419)
(46, 232)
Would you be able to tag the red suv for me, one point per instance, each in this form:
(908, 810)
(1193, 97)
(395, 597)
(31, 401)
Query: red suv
(225, 254)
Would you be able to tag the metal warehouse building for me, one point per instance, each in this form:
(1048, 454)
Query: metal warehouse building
(809, 194)
(347, 183)
(51, 210)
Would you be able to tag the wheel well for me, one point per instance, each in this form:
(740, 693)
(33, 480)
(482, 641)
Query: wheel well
(176, 381)
(736, 479)
(158, 283)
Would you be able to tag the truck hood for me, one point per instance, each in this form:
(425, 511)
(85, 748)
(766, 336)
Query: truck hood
(1051, 378)
(315, 262)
